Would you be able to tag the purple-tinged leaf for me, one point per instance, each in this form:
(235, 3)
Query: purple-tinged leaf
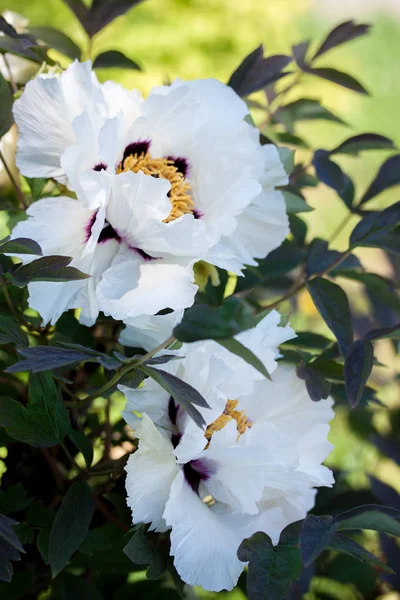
(343, 33)
(357, 368)
(335, 76)
(362, 142)
(388, 176)
(257, 72)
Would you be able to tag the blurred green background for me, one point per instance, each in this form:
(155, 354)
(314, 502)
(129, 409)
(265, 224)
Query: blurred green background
(209, 38)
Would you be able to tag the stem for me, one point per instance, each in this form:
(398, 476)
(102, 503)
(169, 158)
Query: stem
(125, 369)
(7, 298)
(18, 190)
(70, 457)
(340, 226)
(294, 290)
(107, 441)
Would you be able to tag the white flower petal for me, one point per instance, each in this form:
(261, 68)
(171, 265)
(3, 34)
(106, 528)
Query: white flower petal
(203, 547)
(44, 116)
(133, 287)
(150, 473)
(149, 331)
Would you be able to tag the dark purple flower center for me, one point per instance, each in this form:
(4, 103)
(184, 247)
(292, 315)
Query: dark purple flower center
(197, 471)
(180, 163)
(100, 167)
(138, 148)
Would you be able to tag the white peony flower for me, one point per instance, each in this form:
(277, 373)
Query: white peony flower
(131, 254)
(220, 182)
(254, 467)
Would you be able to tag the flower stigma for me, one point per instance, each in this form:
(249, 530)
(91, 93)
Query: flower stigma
(166, 168)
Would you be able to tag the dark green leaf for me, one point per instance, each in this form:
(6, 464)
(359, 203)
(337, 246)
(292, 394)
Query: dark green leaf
(289, 139)
(341, 34)
(14, 499)
(70, 526)
(256, 72)
(387, 177)
(384, 289)
(6, 102)
(364, 141)
(203, 322)
(10, 547)
(247, 355)
(8, 534)
(83, 444)
(357, 368)
(375, 229)
(385, 332)
(332, 175)
(11, 332)
(287, 157)
(44, 422)
(333, 305)
(44, 358)
(320, 258)
(183, 393)
(114, 59)
(58, 40)
(305, 109)
(318, 388)
(343, 544)
(47, 268)
(316, 533)
(76, 587)
(271, 568)
(139, 549)
(370, 516)
(20, 246)
(343, 79)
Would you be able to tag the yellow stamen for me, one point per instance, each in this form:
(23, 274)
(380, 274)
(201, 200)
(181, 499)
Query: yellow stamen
(179, 195)
(230, 413)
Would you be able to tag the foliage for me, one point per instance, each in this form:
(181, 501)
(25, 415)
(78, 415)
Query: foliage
(60, 422)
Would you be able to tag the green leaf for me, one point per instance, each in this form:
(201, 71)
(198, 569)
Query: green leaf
(36, 185)
(246, 354)
(44, 422)
(357, 369)
(6, 103)
(83, 444)
(20, 246)
(47, 268)
(295, 203)
(318, 387)
(271, 568)
(374, 230)
(70, 526)
(364, 141)
(58, 40)
(114, 59)
(316, 533)
(287, 157)
(332, 304)
(387, 177)
(183, 393)
(341, 34)
(11, 332)
(203, 322)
